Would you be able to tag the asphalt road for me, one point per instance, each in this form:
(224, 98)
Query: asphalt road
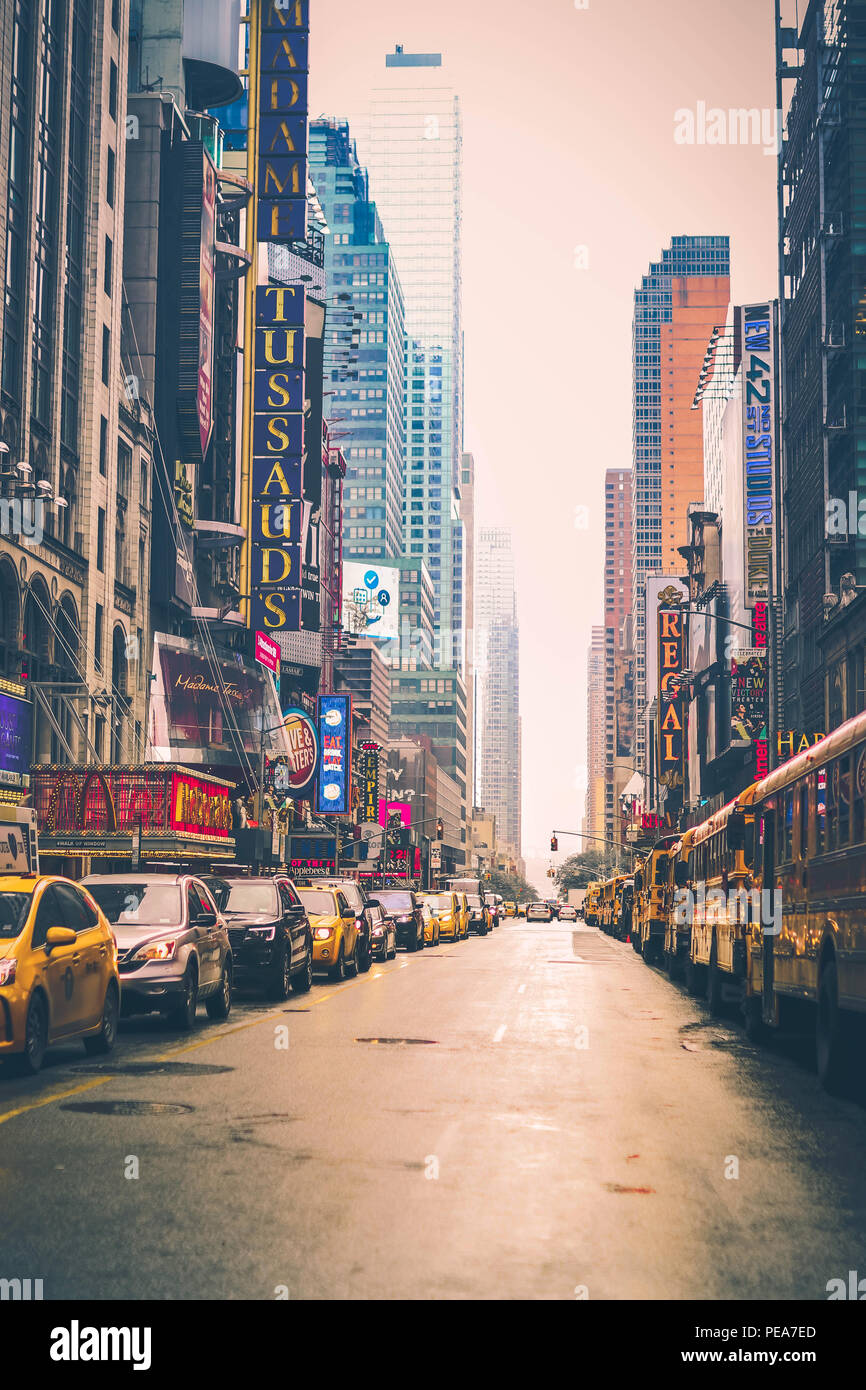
(541, 1117)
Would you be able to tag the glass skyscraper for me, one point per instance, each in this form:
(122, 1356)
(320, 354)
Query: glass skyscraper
(414, 156)
(364, 346)
(678, 303)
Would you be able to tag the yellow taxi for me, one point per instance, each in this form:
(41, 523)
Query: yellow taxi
(58, 969)
(511, 909)
(465, 914)
(445, 910)
(334, 929)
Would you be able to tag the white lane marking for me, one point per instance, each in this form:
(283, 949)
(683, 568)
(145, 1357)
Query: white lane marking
(500, 1033)
(521, 988)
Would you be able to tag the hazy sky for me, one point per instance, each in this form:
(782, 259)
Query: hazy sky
(569, 157)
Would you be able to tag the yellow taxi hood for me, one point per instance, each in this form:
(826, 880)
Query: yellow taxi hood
(323, 919)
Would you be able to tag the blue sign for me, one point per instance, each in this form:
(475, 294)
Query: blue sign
(335, 758)
(16, 724)
(283, 115)
(278, 445)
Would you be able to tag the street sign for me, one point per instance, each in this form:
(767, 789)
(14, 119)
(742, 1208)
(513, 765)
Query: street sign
(268, 652)
(435, 856)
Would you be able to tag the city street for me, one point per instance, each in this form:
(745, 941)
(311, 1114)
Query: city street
(534, 1114)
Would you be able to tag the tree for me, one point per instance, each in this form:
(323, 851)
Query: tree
(512, 887)
(579, 870)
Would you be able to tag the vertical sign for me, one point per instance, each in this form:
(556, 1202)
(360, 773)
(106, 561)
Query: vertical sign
(335, 767)
(370, 776)
(278, 442)
(283, 115)
(671, 713)
(759, 409)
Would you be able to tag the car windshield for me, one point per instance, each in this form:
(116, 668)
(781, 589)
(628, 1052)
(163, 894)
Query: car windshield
(243, 895)
(154, 904)
(472, 900)
(13, 913)
(440, 902)
(318, 901)
(490, 899)
(399, 902)
(534, 906)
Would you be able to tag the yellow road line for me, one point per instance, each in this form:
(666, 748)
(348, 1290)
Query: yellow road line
(57, 1095)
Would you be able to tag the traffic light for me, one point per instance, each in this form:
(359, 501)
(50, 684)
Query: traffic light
(554, 844)
(440, 829)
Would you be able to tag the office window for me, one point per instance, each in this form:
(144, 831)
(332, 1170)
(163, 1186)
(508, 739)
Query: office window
(100, 539)
(103, 445)
(106, 353)
(97, 638)
(109, 257)
(109, 179)
(112, 90)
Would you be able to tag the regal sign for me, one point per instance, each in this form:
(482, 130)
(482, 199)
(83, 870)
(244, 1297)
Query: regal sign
(672, 663)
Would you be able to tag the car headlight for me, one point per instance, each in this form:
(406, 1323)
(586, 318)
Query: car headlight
(378, 931)
(263, 933)
(322, 933)
(8, 968)
(404, 920)
(156, 950)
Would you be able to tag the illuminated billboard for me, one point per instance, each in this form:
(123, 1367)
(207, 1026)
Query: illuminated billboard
(672, 704)
(335, 764)
(759, 416)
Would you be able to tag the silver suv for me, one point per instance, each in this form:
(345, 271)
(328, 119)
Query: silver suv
(172, 944)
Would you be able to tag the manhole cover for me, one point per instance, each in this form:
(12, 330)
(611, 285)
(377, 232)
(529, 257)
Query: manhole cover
(400, 1042)
(128, 1107)
(155, 1069)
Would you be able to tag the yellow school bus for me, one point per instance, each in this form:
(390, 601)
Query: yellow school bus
(606, 900)
(718, 908)
(677, 941)
(590, 904)
(652, 886)
(806, 946)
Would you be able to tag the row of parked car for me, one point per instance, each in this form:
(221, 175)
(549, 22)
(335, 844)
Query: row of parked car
(75, 957)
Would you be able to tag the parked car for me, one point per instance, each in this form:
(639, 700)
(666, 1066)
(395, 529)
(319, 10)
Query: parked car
(357, 900)
(384, 930)
(431, 925)
(271, 941)
(446, 909)
(567, 913)
(405, 908)
(479, 915)
(334, 928)
(58, 970)
(173, 947)
(539, 912)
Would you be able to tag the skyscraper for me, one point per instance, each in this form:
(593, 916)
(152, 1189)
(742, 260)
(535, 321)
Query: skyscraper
(497, 660)
(593, 819)
(681, 299)
(414, 158)
(364, 348)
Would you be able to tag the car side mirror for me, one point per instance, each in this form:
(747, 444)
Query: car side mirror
(59, 936)
(373, 902)
(205, 919)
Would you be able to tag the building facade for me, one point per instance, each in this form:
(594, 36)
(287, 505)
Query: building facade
(364, 346)
(76, 443)
(617, 609)
(415, 161)
(681, 299)
(497, 661)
